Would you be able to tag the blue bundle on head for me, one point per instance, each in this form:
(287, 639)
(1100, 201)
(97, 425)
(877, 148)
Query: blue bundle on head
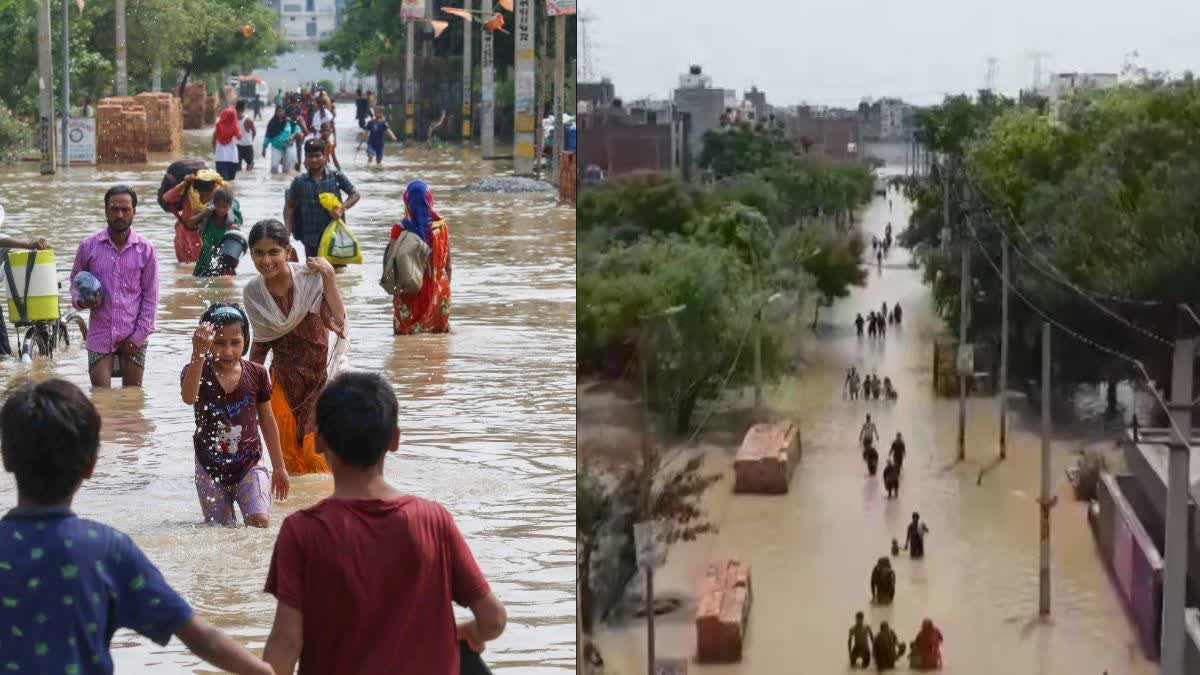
(87, 286)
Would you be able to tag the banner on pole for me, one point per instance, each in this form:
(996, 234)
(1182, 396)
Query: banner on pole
(412, 10)
(81, 140)
(560, 7)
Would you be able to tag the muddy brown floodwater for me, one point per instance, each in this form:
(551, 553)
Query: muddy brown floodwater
(811, 551)
(487, 412)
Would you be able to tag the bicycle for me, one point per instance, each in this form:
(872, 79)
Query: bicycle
(38, 337)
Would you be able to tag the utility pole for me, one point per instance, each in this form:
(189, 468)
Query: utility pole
(66, 80)
(468, 77)
(964, 306)
(525, 105)
(1045, 501)
(410, 87)
(487, 95)
(45, 90)
(156, 75)
(122, 82)
(1176, 554)
(560, 64)
(1004, 351)
(758, 321)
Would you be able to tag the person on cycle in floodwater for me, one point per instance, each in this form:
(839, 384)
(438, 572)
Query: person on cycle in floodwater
(858, 324)
(859, 641)
(914, 540)
(896, 454)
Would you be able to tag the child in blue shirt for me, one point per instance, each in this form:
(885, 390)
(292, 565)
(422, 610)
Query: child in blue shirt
(68, 583)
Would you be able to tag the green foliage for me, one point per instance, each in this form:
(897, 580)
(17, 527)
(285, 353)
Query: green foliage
(742, 149)
(14, 136)
(327, 85)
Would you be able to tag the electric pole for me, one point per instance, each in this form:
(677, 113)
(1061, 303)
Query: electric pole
(1004, 351)
(410, 87)
(122, 82)
(560, 64)
(468, 77)
(487, 94)
(992, 62)
(525, 139)
(66, 80)
(1045, 501)
(964, 306)
(45, 90)
(1176, 554)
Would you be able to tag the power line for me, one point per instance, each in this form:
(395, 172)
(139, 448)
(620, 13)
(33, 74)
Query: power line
(1057, 275)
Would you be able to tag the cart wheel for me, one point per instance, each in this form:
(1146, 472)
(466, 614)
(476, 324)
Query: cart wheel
(37, 343)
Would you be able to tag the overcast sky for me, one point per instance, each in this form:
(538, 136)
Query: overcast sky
(835, 52)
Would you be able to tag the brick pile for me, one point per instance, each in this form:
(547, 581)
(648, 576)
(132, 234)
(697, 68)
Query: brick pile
(230, 97)
(566, 178)
(211, 106)
(723, 611)
(164, 122)
(121, 136)
(194, 101)
(766, 458)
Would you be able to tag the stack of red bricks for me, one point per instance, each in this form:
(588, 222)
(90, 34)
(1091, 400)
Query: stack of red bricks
(211, 106)
(766, 458)
(164, 120)
(194, 102)
(121, 136)
(723, 611)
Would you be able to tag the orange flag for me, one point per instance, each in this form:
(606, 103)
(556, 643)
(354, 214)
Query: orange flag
(497, 23)
(462, 13)
(506, 4)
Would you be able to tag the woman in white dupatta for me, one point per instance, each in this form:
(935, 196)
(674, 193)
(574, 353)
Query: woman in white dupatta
(292, 309)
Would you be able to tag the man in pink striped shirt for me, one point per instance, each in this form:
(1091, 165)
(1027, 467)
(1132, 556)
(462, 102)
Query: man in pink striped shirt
(122, 319)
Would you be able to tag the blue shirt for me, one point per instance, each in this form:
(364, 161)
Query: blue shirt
(311, 218)
(375, 130)
(67, 584)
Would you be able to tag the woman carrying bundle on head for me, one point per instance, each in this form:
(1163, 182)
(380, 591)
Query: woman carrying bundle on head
(292, 309)
(192, 194)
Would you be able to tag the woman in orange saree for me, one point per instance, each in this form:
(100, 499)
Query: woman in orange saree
(427, 311)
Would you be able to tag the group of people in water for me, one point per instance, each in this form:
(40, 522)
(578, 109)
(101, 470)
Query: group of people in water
(876, 323)
(882, 247)
(869, 387)
(924, 652)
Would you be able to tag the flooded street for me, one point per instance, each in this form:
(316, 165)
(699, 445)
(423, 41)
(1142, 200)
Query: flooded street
(811, 552)
(487, 412)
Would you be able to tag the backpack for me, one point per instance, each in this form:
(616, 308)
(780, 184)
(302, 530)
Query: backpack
(174, 176)
(404, 263)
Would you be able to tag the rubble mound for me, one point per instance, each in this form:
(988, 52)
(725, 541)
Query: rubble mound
(509, 185)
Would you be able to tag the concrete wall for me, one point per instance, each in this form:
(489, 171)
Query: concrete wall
(623, 150)
(831, 136)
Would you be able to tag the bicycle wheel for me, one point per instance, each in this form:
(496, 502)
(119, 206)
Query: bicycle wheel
(37, 342)
(72, 329)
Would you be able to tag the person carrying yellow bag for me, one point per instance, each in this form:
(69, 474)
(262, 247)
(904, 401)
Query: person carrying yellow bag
(338, 244)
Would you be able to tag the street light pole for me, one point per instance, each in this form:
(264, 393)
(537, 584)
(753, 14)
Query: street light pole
(66, 80)
(964, 306)
(1045, 501)
(1176, 553)
(1004, 353)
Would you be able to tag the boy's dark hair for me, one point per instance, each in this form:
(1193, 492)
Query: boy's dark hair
(314, 146)
(49, 435)
(222, 196)
(240, 106)
(121, 189)
(356, 415)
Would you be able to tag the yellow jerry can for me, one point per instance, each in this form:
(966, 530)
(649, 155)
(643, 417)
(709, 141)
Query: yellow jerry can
(36, 289)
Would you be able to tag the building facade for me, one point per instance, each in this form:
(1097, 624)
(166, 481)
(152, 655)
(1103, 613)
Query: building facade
(704, 105)
(305, 23)
(1064, 85)
(644, 137)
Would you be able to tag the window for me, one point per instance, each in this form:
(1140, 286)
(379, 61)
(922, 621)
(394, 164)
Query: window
(310, 5)
(312, 29)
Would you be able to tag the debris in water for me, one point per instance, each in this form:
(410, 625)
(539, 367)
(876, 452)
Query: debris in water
(509, 185)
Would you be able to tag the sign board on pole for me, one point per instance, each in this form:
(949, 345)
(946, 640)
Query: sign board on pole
(670, 666)
(966, 360)
(644, 535)
(413, 10)
(81, 137)
(557, 7)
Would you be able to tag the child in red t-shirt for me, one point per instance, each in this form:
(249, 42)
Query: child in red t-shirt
(365, 579)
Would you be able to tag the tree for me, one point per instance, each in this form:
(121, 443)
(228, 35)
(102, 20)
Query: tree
(740, 150)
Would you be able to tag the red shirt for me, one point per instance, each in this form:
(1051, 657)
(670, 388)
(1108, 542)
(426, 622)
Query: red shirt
(374, 580)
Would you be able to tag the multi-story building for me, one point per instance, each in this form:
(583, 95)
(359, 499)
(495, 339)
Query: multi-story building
(305, 23)
(704, 105)
(647, 136)
(888, 119)
(1064, 85)
(832, 132)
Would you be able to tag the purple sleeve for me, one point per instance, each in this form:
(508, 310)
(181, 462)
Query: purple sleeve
(79, 266)
(145, 321)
